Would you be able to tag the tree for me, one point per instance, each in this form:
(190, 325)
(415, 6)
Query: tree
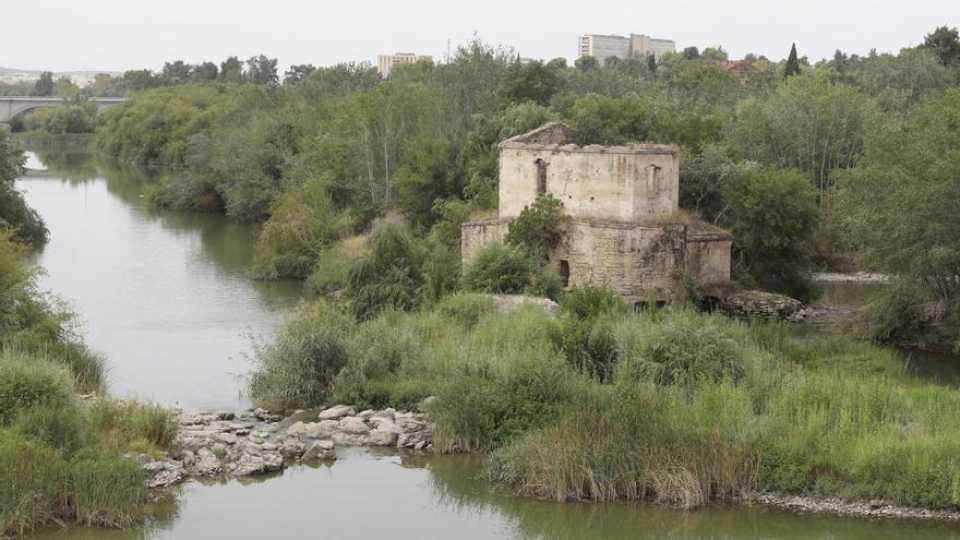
(903, 200)
(558, 63)
(15, 215)
(262, 70)
(808, 123)
(533, 81)
(207, 71)
(137, 80)
(586, 63)
(44, 85)
(793, 64)
(715, 54)
(945, 43)
(231, 69)
(691, 53)
(298, 73)
(651, 63)
(176, 72)
(773, 216)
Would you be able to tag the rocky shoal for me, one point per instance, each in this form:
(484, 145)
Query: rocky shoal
(256, 442)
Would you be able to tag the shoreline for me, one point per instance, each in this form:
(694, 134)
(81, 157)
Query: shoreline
(220, 446)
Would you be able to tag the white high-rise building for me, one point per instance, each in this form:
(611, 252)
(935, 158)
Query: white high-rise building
(602, 46)
(386, 62)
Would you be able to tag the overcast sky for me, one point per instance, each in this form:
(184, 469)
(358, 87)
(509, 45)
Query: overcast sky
(115, 35)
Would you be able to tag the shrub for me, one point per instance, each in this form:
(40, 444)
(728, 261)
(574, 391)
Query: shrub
(377, 350)
(330, 273)
(302, 223)
(299, 368)
(683, 349)
(27, 382)
(485, 404)
(33, 484)
(499, 269)
(539, 228)
(390, 276)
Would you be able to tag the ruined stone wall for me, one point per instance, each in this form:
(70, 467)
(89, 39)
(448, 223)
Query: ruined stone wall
(474, 235)
(638, 261)
(634, 260)
(708, 260)
(620, 183)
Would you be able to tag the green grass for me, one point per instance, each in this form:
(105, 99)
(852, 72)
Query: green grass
(33, 484)
(687, 407)
(27, 381)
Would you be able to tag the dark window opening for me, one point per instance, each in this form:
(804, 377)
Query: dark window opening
(565, 273)
(541, 176)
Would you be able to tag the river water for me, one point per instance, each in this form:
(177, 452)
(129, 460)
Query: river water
(165, 296)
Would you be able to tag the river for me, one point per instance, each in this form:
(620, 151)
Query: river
(166, 298)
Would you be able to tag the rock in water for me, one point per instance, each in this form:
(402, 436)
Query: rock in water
(354, 425)
(760, 304)
(319, 450)
(337, 412)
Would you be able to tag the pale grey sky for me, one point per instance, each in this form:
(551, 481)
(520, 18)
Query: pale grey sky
(63, 35)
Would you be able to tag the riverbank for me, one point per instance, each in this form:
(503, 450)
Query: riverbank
(219, 446)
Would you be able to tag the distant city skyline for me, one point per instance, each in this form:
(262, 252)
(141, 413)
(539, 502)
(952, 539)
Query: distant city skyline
(111, 35)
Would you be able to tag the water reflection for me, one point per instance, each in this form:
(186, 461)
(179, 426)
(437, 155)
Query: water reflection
(164, 295)
(384, 495)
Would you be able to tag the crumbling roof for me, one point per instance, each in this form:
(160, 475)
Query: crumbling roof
(554, 136)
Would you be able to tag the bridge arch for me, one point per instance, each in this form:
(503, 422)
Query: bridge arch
(13, 106)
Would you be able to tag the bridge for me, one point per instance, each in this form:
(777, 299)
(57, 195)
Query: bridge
(11, 106)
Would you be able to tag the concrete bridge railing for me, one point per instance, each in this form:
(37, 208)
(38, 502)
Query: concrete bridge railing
(11, 106)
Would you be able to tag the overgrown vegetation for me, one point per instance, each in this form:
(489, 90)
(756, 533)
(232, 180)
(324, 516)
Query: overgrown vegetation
(602, 403)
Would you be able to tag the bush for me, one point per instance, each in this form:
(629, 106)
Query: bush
(484, 405)
(539, 228)
(27, 382)
(299, 368)
(377, 351)
(330, 273)
(499, 269)
(33, 484)
(391, 276)
(681, 349)
(303, 222)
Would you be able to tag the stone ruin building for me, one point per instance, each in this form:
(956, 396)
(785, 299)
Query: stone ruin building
(625, 228)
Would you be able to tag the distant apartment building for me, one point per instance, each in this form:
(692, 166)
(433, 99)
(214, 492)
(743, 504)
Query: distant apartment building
(386, 62)
(602, 46)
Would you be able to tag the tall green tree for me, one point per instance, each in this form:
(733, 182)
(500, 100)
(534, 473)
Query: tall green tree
(903, 201)
(231, 69)
(793, 63)
(44, 85)
(945, 43)
(262, 70)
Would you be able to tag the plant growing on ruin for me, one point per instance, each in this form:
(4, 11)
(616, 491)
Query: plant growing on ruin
(539, 228)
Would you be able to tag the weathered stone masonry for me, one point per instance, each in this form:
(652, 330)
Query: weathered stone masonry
(625, 229)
